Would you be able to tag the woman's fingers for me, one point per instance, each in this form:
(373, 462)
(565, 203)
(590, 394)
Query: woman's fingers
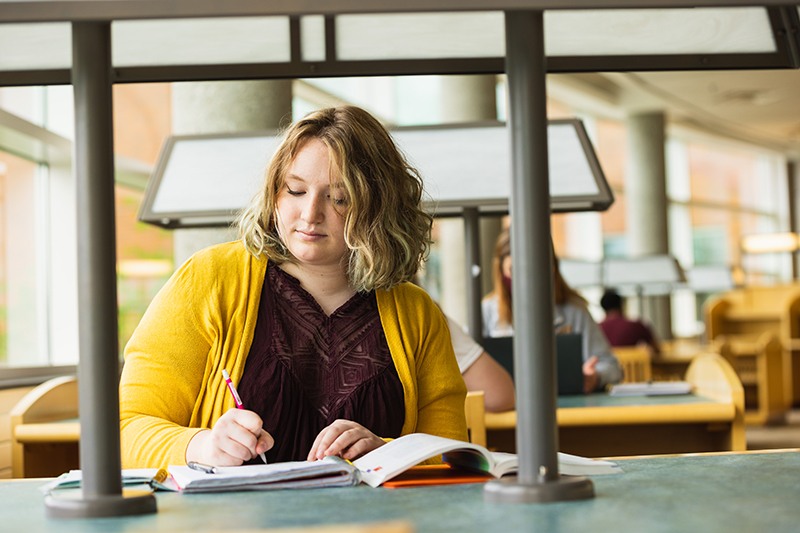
(590, 378)
(359, 447)
(232, 438)
(344, 438)
(265, 442)
(237, 437)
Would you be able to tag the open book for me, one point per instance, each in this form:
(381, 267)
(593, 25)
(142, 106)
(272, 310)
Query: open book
(383, 463)
(374, 468)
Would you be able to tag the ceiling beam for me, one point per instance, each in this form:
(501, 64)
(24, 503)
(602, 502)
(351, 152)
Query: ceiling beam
(98, 10)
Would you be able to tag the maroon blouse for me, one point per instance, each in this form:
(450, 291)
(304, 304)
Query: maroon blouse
(306, 369)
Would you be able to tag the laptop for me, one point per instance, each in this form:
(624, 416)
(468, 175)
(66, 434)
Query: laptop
(569, 359)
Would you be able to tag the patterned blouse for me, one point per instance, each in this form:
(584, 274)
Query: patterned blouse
(307, 369)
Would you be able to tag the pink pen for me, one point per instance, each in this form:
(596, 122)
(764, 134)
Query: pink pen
(237, 401)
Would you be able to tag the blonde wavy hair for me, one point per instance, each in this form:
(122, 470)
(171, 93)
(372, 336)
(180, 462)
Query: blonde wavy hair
(385, 228)
(562, 292)
(502, 249)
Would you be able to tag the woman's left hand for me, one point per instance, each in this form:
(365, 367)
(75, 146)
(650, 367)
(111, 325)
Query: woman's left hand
(346, 439)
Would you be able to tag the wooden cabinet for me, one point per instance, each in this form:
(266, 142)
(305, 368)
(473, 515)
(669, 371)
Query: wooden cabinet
(761, 326)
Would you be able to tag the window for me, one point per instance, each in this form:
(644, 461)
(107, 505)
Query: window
(733, 193)
(23, 291)
(37, 228)
(38, 249)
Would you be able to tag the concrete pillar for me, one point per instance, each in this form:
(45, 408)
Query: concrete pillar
(646, 193)
(225, 106)
(464, 99)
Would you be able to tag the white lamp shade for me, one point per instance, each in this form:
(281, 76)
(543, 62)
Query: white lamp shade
(204, 180)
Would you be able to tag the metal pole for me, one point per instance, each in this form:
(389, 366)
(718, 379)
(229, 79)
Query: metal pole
(534, 344)
(472, 247)
(97, 283)
(98, 369)
(791, 185)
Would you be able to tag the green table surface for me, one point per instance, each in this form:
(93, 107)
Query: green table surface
(725, 493)
(601, 399)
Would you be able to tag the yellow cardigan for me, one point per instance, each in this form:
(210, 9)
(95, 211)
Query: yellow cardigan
(202, 321)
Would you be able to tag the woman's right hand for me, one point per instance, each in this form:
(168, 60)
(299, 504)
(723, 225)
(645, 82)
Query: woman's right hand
(238, 436)
(590, 376)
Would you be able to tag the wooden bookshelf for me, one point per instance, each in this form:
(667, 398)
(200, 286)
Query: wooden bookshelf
(761, 326)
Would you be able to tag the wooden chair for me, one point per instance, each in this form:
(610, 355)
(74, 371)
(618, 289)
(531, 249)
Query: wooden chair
(635, 362)
(759, 365)
(475, 410)
(38, 447)
(712, 376)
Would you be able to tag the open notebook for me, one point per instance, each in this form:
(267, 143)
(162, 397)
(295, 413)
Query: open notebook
(373, 469)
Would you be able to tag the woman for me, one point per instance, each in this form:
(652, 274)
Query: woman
(600, 367)
(310, 313)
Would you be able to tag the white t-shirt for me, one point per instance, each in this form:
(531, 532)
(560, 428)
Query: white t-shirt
(466, 349)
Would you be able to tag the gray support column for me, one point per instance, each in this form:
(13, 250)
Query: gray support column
(472, 272)
(464, 99)
(793, 188)
(793, 183)
(98, 369)
(646, 195)
(534, 347)
(220, 107)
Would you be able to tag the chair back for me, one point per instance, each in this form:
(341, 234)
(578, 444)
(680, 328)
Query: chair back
(55, 399)
(475, 410)
(712, 376)
(636, 363)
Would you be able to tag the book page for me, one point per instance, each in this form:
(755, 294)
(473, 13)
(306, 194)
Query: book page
(402, 453)
(504, 463)
(394, 457)
(575, 465)
(507, 463)
(476, 461)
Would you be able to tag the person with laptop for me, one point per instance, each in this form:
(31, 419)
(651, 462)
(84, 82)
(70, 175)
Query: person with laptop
(600, 367)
